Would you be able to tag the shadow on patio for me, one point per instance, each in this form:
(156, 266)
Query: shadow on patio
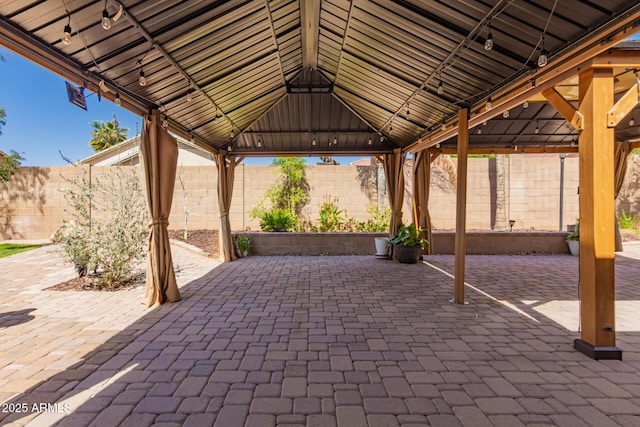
(353, 341)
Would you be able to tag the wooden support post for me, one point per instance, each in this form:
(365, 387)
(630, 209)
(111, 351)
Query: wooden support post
(597, 291)
(461, 206)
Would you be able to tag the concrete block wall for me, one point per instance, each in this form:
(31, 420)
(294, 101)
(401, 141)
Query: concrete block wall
(32, 205)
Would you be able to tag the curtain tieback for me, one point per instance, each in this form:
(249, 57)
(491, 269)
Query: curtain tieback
(223, 214)
(159, 221)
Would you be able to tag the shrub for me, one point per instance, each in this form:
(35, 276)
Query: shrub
(627, 220)
(278, 220)
(330, 216)
(108, 229)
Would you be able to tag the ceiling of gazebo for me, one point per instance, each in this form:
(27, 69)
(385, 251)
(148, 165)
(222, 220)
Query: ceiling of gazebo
(325, 76)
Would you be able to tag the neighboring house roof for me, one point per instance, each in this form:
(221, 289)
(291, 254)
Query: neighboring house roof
(127, 153)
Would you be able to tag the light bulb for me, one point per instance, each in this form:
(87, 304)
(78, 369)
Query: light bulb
(479, 131)
(189, 96)
(232, 133)
(443, 126)
(142, 80)
(165, 124)
(542, 59)
(335, 141)
(505, 114)
(370, 141)
(229, 148)
(106, 22)
(440, 88)
(489, 104)
(632, 122)
(66, 35)
(525, 104)
(314, 142)
(536, 130)
(381, 138)
(407, 113)
(259, 144)
(488, 44)
(117, 100)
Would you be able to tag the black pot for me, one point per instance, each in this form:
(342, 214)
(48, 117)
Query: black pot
(407, 254)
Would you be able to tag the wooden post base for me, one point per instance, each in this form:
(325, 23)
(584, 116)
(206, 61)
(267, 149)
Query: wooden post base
(597, 353)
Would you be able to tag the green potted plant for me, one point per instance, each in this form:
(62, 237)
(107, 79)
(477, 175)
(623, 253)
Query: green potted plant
(573, 240)
(243, 245)
(408, 243)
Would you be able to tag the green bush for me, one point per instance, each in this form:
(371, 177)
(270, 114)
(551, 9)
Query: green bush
(278, 220)
(627, 220)
(330, 216)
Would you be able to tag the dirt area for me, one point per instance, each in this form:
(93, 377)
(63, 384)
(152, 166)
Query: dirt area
(207, 240)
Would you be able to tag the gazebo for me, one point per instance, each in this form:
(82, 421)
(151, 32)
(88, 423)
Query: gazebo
(386, 78)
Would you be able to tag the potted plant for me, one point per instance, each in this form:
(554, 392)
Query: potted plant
(408, 243)
(243, 245)
(573, 240)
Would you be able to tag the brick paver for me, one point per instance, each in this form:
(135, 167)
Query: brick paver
(316, 341)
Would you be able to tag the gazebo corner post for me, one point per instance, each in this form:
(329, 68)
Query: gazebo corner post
(461, 206)
(597, 257)
(159, 159)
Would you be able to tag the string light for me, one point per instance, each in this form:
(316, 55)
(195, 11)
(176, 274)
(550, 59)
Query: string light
(335, 141)
(632, 122)
(505, 114)
(440, 87)
(66, 33)
(489, 104)
(537, 129)
(106, 21)
(259, 144)
(479, 131)
(370, 141)
(488, 43)
(381, 138)
(189, 96)
(314, 142)
(525, 104)
(117, 100)
(232, 134)
(142, 80)
(443, 126)
(542, 59)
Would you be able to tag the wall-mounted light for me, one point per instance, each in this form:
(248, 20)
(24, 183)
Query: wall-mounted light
(106, 20)
(66, 33)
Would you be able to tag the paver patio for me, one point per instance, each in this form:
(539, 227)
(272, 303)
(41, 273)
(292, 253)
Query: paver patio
(316, 341)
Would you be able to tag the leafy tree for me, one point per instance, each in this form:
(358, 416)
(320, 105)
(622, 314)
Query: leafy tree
(107, 134)
(3, 121)
(291, 190)
(9, 165)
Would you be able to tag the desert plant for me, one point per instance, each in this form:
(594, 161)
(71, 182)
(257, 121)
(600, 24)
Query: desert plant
(330, 216)
(108, 226)
(627, 220)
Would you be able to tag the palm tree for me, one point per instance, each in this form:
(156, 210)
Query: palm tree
(106, 134)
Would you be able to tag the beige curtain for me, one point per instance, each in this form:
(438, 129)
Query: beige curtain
(226, 171)
(622, 150)
(421, 187)
(159, 157)
(394, 175)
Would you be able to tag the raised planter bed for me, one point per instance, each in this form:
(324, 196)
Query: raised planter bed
(486, 243)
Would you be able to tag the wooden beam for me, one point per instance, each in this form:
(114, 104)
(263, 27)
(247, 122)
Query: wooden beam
(624, 105)
(597, 275)
(563, 106)
(310, 31)
(461, 207)
(517, 149)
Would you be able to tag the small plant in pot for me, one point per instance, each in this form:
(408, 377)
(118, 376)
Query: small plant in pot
(573, 240)
(408, 244)
(243, 245)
